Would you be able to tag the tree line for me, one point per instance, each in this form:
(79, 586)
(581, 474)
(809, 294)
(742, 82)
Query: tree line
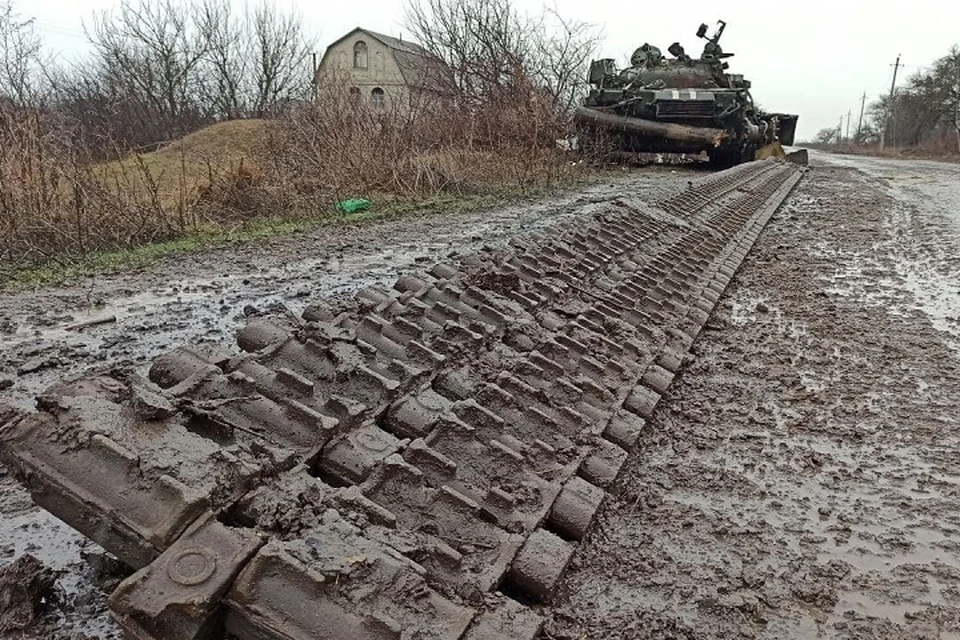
(158, 69)
(924, 113)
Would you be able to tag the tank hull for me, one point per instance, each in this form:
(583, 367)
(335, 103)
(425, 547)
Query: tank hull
(678, 105)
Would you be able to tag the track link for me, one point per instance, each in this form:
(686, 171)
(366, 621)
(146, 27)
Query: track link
(414, 464)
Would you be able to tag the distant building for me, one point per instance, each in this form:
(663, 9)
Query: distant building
(384, 71)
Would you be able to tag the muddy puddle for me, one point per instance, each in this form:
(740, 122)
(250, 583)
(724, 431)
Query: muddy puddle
(923, 233)
(205, 297)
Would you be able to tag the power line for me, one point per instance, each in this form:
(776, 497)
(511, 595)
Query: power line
(60, 30)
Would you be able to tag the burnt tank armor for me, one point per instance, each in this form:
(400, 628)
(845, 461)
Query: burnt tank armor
(713, 108)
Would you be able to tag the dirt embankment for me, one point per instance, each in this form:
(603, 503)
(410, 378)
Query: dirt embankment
(801, 479)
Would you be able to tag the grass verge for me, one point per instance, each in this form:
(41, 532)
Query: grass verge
(64, 271)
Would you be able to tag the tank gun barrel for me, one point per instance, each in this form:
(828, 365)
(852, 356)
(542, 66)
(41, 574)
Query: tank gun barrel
(649, 128)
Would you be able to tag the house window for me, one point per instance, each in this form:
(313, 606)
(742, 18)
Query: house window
(360, 55)
(376, 98)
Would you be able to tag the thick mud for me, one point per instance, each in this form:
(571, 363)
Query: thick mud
(26, 588)
(800, 479)
(205, 298)
(797, 481)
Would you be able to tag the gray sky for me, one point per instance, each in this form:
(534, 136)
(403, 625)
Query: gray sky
(815, 58)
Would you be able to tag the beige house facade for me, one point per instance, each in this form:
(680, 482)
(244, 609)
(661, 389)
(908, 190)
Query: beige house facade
(384, 72)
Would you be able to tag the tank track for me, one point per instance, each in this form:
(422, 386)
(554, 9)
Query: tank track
(413, 464)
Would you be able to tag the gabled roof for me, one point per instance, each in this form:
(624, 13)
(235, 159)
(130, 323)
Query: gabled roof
(397, 44)
(419, 67)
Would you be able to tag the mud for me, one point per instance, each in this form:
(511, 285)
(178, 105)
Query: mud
(27, 588)
(439, 425)
(206, 297)
(796, 482)
(800, 480)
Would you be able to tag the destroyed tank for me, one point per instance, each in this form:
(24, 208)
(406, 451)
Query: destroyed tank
(679, 104)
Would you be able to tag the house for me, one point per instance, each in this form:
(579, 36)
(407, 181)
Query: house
(384, 71)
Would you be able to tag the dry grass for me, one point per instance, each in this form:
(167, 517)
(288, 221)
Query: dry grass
(57, 203)
(186, 169)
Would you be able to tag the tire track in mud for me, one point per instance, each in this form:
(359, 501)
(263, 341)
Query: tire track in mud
(438, 449)
(800, 478)
(206, 295)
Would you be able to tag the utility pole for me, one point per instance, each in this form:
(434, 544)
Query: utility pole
(890, 106)
(863, 105)
(956, 105)
(849, 115)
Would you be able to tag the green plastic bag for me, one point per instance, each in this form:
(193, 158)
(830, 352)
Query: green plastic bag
(352, 205)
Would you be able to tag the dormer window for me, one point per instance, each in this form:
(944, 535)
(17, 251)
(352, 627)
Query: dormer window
(360, 55)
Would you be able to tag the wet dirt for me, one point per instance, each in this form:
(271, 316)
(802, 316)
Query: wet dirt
(800, 478)
(26, 588)
(205, 297)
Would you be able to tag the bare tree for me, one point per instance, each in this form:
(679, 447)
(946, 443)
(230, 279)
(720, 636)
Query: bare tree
(163, 68)
(564, 53)
(281, 58)
(926, 111)
(258, 57)
(227, 64)
(483, 42)
(20, 56)
(492, 49)
(150, 51)
(827, 135)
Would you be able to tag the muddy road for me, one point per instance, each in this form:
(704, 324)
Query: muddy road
(798, 481)
(802, 479)
(206, 296)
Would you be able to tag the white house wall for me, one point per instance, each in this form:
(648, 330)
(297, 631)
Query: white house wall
(382, 69)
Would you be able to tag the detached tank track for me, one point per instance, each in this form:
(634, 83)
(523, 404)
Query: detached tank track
(414, 464)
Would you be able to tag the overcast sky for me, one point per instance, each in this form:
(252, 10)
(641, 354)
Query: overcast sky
(814, 57)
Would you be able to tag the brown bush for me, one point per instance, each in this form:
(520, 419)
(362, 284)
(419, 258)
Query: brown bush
(422, 147)
(53, 202)
(56, 200)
